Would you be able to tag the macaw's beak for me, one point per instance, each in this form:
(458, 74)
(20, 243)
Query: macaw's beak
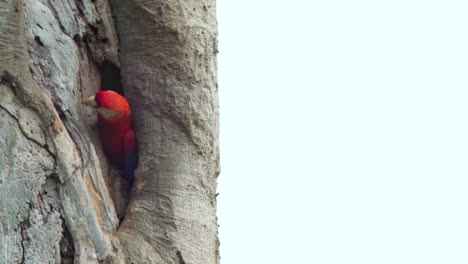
(90, 101)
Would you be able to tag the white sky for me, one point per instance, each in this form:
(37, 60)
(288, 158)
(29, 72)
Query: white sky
(344, 131)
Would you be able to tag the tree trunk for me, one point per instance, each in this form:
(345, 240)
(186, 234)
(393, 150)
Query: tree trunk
(61, 200)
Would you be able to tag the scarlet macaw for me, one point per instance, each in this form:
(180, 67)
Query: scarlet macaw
(116, 131)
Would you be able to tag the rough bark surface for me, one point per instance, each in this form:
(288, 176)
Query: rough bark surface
(60, 199)
(168, 58)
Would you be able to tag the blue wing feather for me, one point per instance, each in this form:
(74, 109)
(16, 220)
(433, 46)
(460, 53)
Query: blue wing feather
(131, 156)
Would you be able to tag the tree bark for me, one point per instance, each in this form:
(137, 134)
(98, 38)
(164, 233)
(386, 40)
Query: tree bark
(61, 200)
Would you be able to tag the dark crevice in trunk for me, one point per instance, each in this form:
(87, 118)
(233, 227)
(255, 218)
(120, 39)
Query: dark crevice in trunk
(110, 77)
(24, 238)
(67, 249)
(111, 80)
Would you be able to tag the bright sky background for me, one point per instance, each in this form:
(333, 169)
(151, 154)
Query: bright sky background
(344, 131)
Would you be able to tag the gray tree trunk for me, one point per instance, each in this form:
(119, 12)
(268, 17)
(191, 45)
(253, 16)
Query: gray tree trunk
(61, 202)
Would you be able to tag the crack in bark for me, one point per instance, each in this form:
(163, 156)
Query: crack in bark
(180, 258)
(43, 146)
(28, 97)
(23, 226)
(67, 247)
(74, 131)
(54, 12)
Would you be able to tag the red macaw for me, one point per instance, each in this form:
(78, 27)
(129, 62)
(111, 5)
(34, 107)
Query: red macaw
(115, 127)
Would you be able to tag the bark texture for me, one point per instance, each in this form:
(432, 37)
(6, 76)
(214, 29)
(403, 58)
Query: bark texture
(61, 200)
(168, 57)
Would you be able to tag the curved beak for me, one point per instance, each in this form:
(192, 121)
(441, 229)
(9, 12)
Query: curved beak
(90, 101)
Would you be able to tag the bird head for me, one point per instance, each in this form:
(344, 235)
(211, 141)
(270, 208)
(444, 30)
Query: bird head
(110, 105)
